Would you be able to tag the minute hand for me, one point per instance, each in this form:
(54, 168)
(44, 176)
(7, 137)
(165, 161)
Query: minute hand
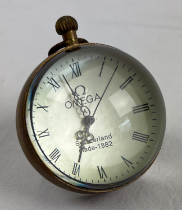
(105, 90)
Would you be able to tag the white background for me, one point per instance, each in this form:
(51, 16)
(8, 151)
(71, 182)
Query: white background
(150, 31)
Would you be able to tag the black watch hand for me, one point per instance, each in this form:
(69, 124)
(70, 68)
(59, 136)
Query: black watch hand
(105, 91)
(85, 136)
(73, 93)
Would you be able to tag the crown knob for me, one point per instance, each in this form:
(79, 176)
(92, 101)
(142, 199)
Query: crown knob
(66, 23)
(67, 27)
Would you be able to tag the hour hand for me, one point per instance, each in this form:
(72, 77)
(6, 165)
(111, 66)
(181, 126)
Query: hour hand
(85, 138)
(84, 135)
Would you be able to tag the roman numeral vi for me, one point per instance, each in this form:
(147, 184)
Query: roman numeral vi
(101, 171)
(76, 169)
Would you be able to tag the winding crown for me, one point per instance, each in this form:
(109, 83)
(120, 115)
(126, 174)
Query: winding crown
(66, 23)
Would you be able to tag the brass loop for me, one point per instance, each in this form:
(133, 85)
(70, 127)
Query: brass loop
(61, 45)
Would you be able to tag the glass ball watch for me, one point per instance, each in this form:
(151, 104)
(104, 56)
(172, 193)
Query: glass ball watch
(90, 118)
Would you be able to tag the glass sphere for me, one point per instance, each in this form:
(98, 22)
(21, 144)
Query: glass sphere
(95, 117)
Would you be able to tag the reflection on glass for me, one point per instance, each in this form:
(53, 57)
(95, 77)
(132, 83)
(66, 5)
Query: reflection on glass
(123, 105)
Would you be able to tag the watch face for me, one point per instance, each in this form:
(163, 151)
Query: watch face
(95, 117)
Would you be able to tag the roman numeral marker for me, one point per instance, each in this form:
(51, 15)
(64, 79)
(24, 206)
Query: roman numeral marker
(140, 137)
(55, 155)
(101, 69)
(140, 108)
(127, 161)
(76, 70)
(76, 169)
(54, 84)
(43, 107)
(126, 83)
(43, 133)
(101, 171)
